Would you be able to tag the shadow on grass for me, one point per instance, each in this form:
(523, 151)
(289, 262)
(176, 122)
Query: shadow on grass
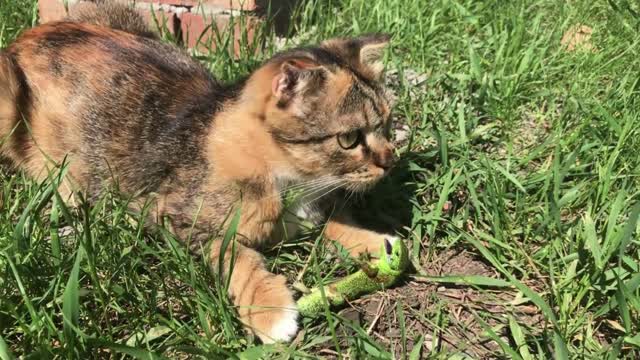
(388, 207)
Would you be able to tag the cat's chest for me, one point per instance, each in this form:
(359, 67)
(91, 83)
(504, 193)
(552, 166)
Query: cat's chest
(277, 215)
(300, 209)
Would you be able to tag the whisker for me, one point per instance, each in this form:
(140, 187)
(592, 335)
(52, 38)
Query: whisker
(305, 192)
(304, 184)
(339, 184)
(317, 189)
(301, 186)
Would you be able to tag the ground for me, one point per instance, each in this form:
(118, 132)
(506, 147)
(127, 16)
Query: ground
(518, 124)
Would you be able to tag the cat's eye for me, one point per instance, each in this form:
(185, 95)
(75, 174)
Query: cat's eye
(349, 140)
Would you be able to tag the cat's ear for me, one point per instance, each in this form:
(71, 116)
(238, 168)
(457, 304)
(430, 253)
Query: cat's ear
(365, 53)
(372, 49)
(295, 77)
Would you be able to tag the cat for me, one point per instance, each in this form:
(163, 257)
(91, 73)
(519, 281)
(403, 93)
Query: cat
(120, 106)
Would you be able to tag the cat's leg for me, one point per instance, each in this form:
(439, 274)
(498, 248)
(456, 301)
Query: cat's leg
(264, 302)
(343, 229)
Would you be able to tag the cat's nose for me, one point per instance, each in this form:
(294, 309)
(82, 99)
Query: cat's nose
(384, 158)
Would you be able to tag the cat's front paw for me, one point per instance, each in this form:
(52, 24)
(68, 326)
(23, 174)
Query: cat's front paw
(285, 326)
(273, 315)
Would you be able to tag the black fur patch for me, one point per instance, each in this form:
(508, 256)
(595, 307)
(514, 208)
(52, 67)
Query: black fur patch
(64, 36)
(24, 99)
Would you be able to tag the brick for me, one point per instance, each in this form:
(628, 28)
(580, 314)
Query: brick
(198, 35)
(191, 25)
(51, 10)
(221, 4)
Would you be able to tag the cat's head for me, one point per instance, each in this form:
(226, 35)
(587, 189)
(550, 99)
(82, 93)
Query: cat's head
(330, 111)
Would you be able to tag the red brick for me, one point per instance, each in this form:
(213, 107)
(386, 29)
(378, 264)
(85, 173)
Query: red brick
(222, 4)
(51, 10)
(193, 24)
(196, 32)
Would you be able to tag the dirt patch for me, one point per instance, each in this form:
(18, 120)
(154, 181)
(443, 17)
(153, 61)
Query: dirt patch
(456, 262)
(444, 317)
(532, 130)
(578, 37)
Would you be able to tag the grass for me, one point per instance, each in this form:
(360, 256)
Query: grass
(518, 191)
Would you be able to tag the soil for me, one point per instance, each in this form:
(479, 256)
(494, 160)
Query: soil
(449, 318)
(578, 37)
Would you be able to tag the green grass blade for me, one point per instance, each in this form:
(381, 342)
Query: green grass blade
(510, 177)
(55, 237)
(71, 301)
(633, 340)
(519, 339)
(492, 334)
(416, 352)
(559, 343)
(591, 240)
(476, 280)
(621, 298)
(136, 353)
(629, 229)
(5, 352)
(229, 239)
(631, 285)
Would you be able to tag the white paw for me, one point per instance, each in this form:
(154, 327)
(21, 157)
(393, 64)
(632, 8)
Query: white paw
(285, 328)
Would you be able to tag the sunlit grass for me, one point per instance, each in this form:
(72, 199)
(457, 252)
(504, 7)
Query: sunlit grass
(521, 153)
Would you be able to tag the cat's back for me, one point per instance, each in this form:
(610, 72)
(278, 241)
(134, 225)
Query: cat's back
(76, 54)
(107, 96)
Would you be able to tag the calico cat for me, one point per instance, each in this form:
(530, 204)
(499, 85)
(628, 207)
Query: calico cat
(120, 106)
